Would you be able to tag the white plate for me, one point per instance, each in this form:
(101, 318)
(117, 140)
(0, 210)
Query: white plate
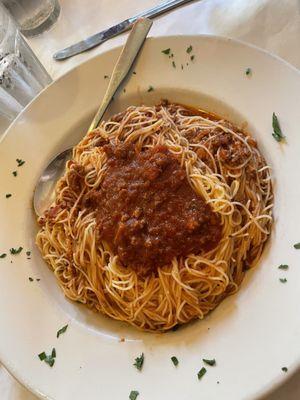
(252, 334)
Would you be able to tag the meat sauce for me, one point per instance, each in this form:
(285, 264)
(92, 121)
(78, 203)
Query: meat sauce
(232, 151)
(147, 211)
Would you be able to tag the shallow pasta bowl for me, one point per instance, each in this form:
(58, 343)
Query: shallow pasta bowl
(252, 335)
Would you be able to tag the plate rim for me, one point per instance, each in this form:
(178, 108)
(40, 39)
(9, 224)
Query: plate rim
(268, 388)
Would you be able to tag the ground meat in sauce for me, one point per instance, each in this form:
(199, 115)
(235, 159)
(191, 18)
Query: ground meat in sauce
(147, 211)
(232, 151)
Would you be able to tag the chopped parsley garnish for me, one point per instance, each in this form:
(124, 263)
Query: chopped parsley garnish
(166, 51)
(209, 362)
(50, 359)
(277, 133)
(297, 246)
(173, 64)
(14, 251)
(175, 361)
(139, 361)
(248, 71)
(42, 356)
(3, 255)
(20, 162)
(31, 279)
(192, 57)
(106, 76)
(133, 394)
(283, 280)
(284, 369)
(14, 173)
(150, 89)
(283, 266)
(201, 373)
(8, 195)
(189, 49)
(61, 331)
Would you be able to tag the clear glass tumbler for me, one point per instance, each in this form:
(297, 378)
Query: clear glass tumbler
(22, 76)
(33, 16)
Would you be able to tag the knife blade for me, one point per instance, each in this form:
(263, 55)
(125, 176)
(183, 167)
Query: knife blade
(100, 37)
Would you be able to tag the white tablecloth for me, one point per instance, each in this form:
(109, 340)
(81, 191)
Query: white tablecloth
(271, 24)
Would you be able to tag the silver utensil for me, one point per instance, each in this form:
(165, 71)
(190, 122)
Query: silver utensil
(115, 30)
(44, 193)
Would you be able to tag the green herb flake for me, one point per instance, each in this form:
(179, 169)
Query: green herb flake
(14, 251)
(284, 369)
(42, 356)
(192, 57)
(49, 359)
(139, 361)
(166, 51)
(277, 133)
(133, 395)
(297, 246)
(189, 49)
(209, 362)
(20, 162)
(175, 361)
(8, 195)
(31, 279)
(283, 280)
(61, 331)
(248, 71)
(283, 266)
(14, 173)
(173, 64)
(3, 255)
(201, 373)
(150, 89)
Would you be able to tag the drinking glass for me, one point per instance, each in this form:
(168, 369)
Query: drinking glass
(33, 16)
(22, 76)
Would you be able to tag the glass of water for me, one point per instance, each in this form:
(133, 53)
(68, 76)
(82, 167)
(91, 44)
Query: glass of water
(33, 16)
(22, 76)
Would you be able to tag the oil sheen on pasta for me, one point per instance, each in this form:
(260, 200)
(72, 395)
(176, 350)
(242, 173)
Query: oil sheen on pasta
(160, 213)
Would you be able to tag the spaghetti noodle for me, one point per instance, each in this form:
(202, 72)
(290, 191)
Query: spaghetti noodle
(223, 167)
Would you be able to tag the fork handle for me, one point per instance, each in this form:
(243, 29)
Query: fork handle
(128, 54)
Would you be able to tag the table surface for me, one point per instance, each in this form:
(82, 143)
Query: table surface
(271, 24)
